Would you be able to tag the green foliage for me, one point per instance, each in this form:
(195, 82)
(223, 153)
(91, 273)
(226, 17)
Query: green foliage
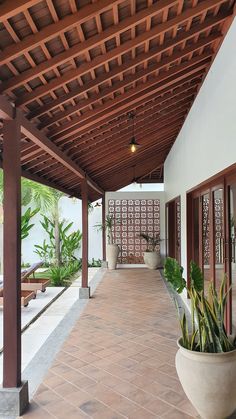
(108, 227)
(207, 332)
(59, 275)
(152, 241)
(69, 242)
(45, 252)
(173, 273)
(25, 222)
(95, 263)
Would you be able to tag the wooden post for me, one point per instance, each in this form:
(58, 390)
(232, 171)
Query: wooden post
(84, 290)
(103, 230)
(12, 254)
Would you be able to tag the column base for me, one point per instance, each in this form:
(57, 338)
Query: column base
(84, 293)
(14, 401)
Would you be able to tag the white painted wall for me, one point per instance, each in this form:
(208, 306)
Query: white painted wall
(70, 210)
(207, 142)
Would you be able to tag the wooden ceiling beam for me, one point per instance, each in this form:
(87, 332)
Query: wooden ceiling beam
(35, 154)
(6, 109)
(111, 120)
(120, 50)
(138, 161)
(127, 81)
(152, 118)
(37, 137)
(54, 29)
(12, 8)
(120, 103)
(104, 152)
(88, 44)
(116, 125)
(44, 143)
(123, 154)
(128, 65)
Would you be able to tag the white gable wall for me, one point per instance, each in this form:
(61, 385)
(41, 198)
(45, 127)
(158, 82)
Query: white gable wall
(207, 142)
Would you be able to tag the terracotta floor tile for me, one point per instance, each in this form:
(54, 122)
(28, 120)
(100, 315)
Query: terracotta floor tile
(118, 361)
(176, 414)
(93, 407)
(158, 407)
(143, 414)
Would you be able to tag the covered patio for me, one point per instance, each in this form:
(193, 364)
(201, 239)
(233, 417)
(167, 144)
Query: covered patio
(118, 361)
(93, 96)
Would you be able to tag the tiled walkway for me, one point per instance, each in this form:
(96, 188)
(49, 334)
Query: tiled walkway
(118, 362)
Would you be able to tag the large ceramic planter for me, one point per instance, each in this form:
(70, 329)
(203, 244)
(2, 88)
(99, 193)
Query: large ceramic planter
(112, 255)
(152, 259)
(209, 381)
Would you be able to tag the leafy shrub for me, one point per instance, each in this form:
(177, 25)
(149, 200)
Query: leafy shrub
(95, 263)
(69, 243)
(60, 274)
(25, 222)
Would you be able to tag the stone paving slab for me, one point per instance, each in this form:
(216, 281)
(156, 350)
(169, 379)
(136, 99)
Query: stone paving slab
(118, 361)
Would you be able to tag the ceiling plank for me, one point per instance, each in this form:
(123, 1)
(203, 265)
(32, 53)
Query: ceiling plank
(51, 31)
(129, 64)
(12, 7)
(31, 132)
(120, 103)
(88, 44)
(116, 52)
(127, 81)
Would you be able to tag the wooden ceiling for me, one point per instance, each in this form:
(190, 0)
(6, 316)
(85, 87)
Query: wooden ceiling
(77, 68)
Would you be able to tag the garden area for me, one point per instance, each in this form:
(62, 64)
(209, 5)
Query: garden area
(57, 242)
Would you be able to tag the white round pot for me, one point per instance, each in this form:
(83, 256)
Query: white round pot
(152, 259)
(112, 255)
(209, 381)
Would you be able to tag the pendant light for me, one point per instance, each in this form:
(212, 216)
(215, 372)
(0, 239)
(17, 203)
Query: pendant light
(133, 145)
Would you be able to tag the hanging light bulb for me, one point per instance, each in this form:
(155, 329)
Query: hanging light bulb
(133, 145)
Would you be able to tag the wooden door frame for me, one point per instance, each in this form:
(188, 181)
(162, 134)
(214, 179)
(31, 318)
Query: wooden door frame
(223, 181)
(174, 202)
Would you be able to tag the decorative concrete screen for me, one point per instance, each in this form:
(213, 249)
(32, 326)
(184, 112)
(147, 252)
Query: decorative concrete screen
(133, 216)
(218, 215)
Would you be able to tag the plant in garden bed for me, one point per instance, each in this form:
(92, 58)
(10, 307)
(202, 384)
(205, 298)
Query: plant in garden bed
(95, 263)
(206, 359)
(67, 245)
(62, 275)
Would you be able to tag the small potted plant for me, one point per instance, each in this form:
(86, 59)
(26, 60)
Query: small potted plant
(112, 248)
(206, 359)
(152, 257)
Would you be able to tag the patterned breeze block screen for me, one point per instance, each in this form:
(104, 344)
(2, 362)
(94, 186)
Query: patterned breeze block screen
(133, 216)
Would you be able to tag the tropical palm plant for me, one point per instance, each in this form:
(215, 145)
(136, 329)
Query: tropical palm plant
(108, 227)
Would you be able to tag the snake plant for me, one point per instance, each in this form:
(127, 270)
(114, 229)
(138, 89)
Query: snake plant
(207, 332)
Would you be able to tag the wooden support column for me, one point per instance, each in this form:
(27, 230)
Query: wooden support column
(103, 230)
(84, 290)
(12, 254)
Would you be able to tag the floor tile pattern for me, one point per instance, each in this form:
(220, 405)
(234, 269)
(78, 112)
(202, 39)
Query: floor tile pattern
(118, 362)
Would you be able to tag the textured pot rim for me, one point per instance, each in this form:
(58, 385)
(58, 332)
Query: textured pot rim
(207, 356)
(112, 244)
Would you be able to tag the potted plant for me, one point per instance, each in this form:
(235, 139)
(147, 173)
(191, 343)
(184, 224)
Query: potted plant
(206, 359)
(152, 257)
(112, 248)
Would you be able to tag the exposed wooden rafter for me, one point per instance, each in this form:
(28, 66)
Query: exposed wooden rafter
(76, 72)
